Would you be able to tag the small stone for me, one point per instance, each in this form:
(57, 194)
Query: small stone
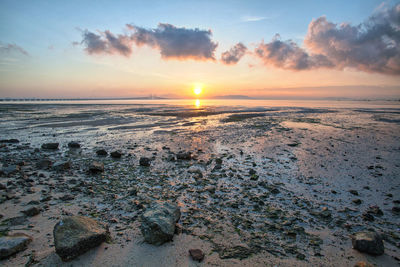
(75, 235)
(357, 201)
(31, 211)
(50, 146)
(375, 210)
(10, 141)
(12, 244)
(144, 162)
(62, 166)
(116, 154)
(44, 164)
(354, 192)
(368, 242)
(74, 145)
(196, 254)
(101, 152)
(396, 209)
(184, 156)
(96, 167)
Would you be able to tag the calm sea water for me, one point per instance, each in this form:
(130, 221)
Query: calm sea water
(230, 102)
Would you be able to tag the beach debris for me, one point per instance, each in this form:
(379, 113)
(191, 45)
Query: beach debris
(368, 242)
(74, 145)
(116, 154)
(96, 167)
(144, 162)
(12, 244)
(196, 254)
(101, 152)
(158, 222)
(32, 211)
(75, 235)
(50, 146)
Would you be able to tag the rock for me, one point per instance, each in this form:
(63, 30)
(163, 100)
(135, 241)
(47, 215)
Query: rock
(12, 244)
(50, 146)
(375, 210)
(75, 235)
(3, 187)
(19, 220)
(396, 209)
(31, 211)
(11, 169)
(44, 164)
(196, 254)
(158, 222)
(218, 161)
(325, 213)
(62, 166)
(363, 264)
(252, 172)
(101, 152)
(10, 141)
(354, 192)
(116, 154)
(238, 252)
(368, 217)
(96, 167)
(74, 145)
(357, 201)
(144, 162)
(368, 242)
(184, 156)
(67, 197)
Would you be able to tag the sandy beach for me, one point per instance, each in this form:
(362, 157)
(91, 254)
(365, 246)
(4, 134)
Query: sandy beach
(256, 186)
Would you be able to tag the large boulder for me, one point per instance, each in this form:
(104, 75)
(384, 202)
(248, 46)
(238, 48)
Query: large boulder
(9, 245)
(158, 222)
(368, 242)
(75, 235)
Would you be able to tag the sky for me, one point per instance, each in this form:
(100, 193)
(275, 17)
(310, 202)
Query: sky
(272, 49)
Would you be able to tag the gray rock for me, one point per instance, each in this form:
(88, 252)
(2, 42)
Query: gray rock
(10, 141)
(44, 164)
(11, 169)
(101, 152)
(144, 162)
(62, 166)
(158, 222)
(50, 146)
(368, 242)
(74, 145)
(96, 167)
(9, 245)
(116, 154)
(76, 235)
(31, 211)
(184, 156)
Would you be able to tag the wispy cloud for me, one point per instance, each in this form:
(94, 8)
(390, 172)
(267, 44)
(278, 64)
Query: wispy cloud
(252, 18)
(12, 48)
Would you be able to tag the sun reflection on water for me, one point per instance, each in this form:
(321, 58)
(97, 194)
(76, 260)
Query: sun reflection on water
(197, 103)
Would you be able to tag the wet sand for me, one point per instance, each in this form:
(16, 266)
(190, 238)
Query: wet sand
(266, 186)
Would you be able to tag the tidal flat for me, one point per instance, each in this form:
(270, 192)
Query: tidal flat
(256, 186)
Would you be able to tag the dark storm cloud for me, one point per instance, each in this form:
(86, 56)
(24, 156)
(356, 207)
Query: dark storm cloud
(234, 54)
(174, 42)
(373, 46)
(11, 48)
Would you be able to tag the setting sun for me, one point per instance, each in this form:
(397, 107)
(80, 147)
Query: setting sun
(198, 88)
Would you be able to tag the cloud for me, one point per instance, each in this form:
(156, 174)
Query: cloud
(174, 42)
(171, 41)
(106, 43)
(234, 54)
(373, 46)
(252, 18)
(12, 48)
(287, 55)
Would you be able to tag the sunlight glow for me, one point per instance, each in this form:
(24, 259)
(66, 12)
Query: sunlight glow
(198, 88)
(197, 103)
